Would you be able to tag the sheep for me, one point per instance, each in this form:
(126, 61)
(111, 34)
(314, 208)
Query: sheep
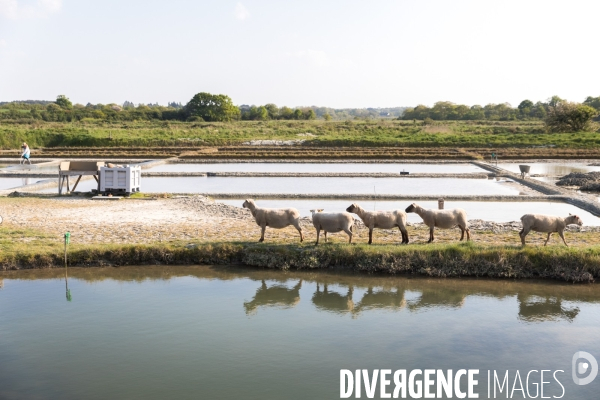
(332, 222)
(274, 217)
(382, 220)
(444, 219)
(547, 223)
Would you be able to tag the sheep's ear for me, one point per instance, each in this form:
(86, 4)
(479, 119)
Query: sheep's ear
(311, 211)
(320, 209)
(570, 214)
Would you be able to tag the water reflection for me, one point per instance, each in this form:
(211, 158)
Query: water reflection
(392, 299)
(274, 296)
(333, 301)
(548, 308)
(354, 294)
(434, 297)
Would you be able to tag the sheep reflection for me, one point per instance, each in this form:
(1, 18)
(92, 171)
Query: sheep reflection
(275, 296)
(548, 308)
(327, 300)
(436, 298)
(392, 300)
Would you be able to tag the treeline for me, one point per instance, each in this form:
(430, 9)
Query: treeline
(526, 110)
(202, 107)
(272, 112)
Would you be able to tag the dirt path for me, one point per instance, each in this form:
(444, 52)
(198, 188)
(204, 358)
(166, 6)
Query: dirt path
(199, 219)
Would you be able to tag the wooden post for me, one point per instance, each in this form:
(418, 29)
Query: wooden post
(77, 182)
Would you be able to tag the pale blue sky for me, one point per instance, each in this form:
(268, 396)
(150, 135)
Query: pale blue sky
(338, 53)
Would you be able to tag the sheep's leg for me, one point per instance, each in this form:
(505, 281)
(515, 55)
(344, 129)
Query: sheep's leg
(297, 226)
(318, 234)
(468, 234)
(562, 235)
(522, 234)
(404, 233)
(462, 233)
(325, 236)
(548, 238)
(349, 233)
(430, 235)
(370, 235)
(262, 233)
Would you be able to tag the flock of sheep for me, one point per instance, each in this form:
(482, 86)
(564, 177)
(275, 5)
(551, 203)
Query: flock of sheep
(332, 222)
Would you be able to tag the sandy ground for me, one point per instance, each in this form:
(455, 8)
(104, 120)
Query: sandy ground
(199, 219)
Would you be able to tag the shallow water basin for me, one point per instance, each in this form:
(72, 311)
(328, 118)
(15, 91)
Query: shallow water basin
(210, 185)
(319, 167)
(553, 169)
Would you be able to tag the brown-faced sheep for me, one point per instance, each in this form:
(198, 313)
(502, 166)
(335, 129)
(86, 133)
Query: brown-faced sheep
(444, 219)
(273, 217)
(332, 222)
(381, 220)
(547, 223)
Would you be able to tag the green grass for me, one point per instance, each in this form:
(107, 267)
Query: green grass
(327, 133)
(438, 260)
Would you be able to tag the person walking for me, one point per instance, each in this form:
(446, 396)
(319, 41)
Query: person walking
(26, 153)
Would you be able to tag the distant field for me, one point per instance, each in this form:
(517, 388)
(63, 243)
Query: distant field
(451, 139)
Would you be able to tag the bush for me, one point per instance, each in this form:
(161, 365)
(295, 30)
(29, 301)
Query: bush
(570, 117)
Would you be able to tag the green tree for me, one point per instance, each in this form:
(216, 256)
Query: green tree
(570, 117)
(272, 110)
(64, 102)
(554, 101)
(593, 102)
(327, 117)
(258, 113)
(212, 107)
(310, 114)
(525, 108)
(298, 114)
(286, 113)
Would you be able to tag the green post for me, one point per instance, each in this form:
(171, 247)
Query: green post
(67, 241)
(68, 291)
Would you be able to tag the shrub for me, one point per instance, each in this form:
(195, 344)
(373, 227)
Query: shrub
(570, 117)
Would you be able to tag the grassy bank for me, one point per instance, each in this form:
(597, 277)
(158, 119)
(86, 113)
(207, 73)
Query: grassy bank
(437, 260)
(370, 133)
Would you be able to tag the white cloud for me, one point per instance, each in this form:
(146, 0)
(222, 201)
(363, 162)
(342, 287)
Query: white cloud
(14, 9)
(241, 12)
(2, 43)
(9, 8)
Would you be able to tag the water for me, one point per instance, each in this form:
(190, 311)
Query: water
(318, 167)
(553, 169)
(9, 183)
(208, 185)
(496, 211)
(232, 333)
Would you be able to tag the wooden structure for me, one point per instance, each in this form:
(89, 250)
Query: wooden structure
(77, 168)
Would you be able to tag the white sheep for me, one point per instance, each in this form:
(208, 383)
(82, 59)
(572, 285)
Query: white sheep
(382, 220)
(444, 219)
(274, 217)
(547, 223)
(332, 222)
